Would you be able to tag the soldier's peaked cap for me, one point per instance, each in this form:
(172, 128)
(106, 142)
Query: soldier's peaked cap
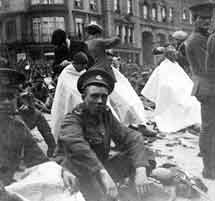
(96, 76)
(202, 7)
(10, 78)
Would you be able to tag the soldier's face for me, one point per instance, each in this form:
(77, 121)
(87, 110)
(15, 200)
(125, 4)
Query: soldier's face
(96, 98)
(203, 23)
(7, 104)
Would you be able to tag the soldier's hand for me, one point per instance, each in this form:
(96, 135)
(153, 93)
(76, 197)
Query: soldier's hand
(70, 181)
(142, 183)
(109, 184)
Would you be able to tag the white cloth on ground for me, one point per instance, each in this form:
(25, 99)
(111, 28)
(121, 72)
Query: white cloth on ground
(43, 183)
(169, 87)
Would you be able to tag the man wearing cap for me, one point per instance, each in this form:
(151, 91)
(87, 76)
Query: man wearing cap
(33, 118)
(98, 45)
(85, 138)
(65, 49)
(16, 141)
(204, 87)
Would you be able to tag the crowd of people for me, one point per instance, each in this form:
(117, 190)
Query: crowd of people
(87, 111)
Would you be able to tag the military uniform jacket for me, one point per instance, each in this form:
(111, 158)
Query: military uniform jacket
(196, 51)
(86, 143)
(17, 144)
(34, 118)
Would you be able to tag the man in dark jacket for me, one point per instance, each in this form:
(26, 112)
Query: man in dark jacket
(98, 45)
(16, 142)
(204, 86)
(85, 138)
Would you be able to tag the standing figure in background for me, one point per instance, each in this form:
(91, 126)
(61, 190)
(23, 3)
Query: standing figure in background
(33, 118)
(179, 43)
(98, 45)
(204, 86)
(61, 52)
(16, 141)
(65, 50)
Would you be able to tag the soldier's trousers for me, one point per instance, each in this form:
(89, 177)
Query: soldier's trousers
(207, 136)
(119, 167)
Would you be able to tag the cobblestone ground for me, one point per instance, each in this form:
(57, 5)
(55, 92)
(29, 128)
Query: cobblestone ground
(180, 148)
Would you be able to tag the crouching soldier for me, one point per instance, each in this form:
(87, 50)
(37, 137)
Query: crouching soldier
(16, 141)
(85, 138)
(33, 118)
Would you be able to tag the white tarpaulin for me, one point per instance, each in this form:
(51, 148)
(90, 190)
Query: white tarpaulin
(43, 183)
(124, 102)
(66, 97)
(169, 87)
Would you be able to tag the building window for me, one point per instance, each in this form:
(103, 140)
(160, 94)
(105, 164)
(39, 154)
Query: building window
(119, 30)
(93, 5)
(11, 30)
(159, 16)
(184, 15)
(154, 12)
(130, 7)
(130, 35)
(116, 5)
(170, 14)
(33, 2)
(190, 18)
(43, 27)
(145, 11)
(126, 33)
(163, 14)
(78, 4)
(0, 3)
(79, 28)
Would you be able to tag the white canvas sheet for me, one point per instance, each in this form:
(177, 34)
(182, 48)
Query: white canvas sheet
(169, 87)
(66, 97)
(43, 183)
(126, 102)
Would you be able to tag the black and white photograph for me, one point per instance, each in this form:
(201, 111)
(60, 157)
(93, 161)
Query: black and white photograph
(107, 100)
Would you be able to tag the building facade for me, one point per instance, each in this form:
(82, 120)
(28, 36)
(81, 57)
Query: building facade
(26, 25)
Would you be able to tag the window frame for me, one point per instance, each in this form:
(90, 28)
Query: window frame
(43, 27)
(116, 6)
(130, 7)
(78, 4)
(93, 5)
(145, 11)
(154, 10)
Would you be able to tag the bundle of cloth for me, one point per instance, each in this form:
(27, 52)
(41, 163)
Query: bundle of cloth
(42, 183)
(169, 87)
